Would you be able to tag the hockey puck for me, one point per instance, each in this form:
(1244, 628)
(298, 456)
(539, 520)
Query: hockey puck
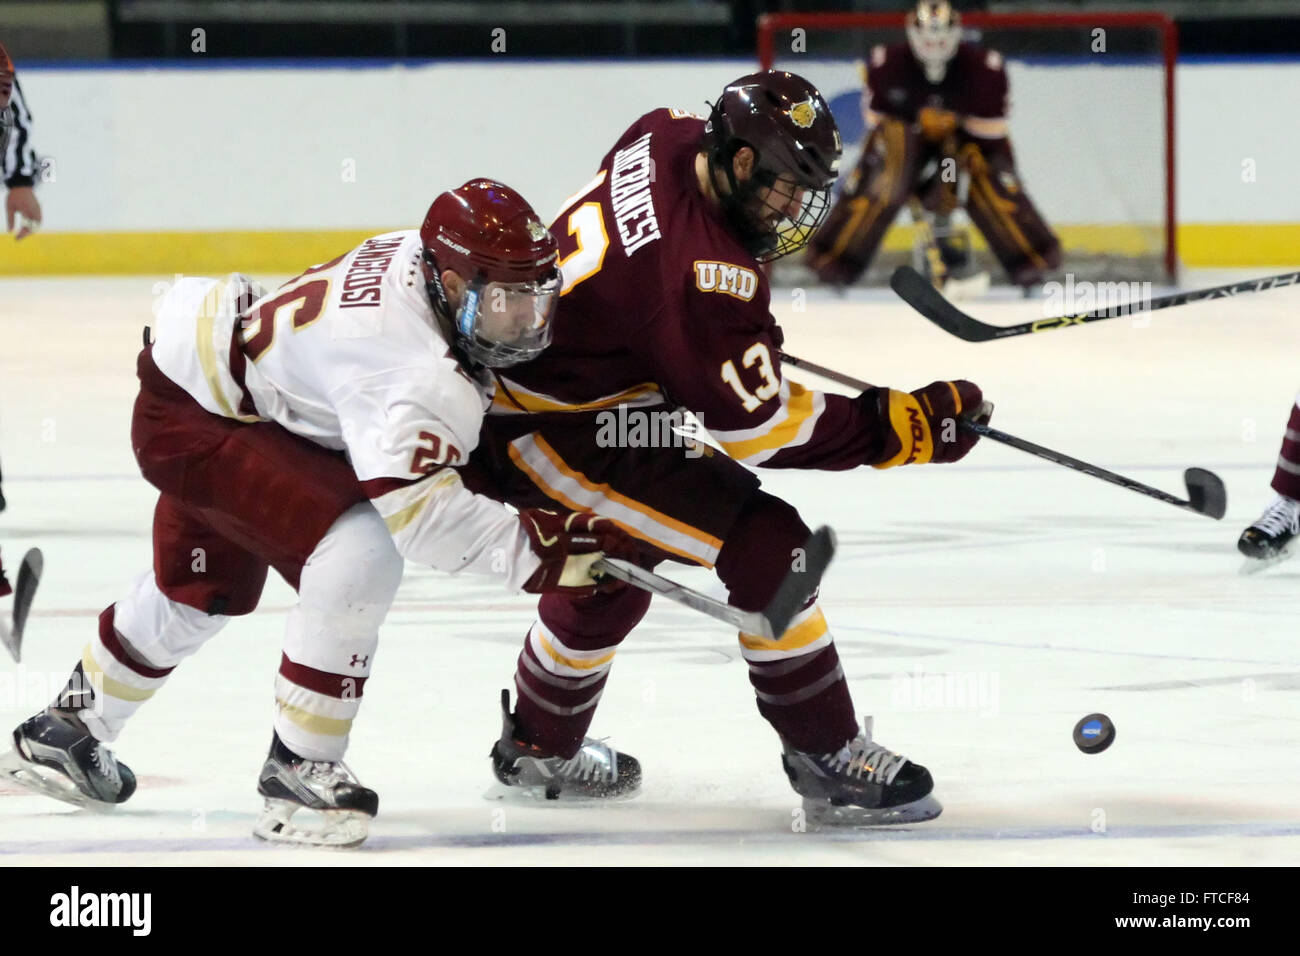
(1094, 733)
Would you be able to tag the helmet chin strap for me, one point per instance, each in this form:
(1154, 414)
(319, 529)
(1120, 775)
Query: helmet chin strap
(736, 203)
(445, 318)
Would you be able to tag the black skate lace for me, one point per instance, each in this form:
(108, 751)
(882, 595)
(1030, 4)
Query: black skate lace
(863, 757)
(1283, 515)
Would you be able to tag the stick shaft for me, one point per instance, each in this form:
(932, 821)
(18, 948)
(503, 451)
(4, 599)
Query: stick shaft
(1047, 454)
(912, 287)
(751, 622)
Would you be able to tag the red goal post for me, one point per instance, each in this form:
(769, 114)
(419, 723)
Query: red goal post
(774, 25)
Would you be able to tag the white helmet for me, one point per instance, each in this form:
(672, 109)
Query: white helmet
(934, 33)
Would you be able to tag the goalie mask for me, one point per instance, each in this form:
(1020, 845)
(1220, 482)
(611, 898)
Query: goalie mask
(934, 33)
(489, 236)
(796, 143)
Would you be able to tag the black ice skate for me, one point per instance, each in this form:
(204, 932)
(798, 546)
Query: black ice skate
(341, 807)
(861, 784)
(1271, 539)
(597, 771)
(56, 755)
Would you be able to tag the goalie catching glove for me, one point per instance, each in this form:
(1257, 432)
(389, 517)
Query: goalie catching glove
(921, 426)
(569, 543)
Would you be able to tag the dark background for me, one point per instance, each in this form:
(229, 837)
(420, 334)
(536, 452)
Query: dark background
(97, 30)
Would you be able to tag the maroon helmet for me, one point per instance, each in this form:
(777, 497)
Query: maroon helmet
(487, 234)
(786, 122)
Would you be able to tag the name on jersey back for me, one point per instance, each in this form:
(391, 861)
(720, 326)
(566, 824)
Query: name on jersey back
(629, 195)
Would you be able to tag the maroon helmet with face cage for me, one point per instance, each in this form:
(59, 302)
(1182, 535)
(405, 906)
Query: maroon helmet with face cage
(490, 236)
(786, 122)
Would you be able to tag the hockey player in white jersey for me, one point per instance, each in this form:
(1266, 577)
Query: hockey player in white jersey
(316, 430)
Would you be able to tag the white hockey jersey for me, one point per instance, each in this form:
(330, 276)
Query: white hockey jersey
(348, 355)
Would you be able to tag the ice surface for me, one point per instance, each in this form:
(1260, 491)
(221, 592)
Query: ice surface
(980, 610)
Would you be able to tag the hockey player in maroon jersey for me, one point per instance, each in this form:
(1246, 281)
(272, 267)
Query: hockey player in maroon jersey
(1272, 538)
(936, 112)
(319, 430)
(666, 306)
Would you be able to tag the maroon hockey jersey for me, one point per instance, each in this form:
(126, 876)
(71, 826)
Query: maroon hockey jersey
(663, 305)
(974, 87)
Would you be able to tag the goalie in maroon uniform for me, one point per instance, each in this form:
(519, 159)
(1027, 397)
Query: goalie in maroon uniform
(936, 111)
(665, 306)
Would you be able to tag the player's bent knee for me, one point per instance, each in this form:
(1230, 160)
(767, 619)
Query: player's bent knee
(760, 549)
(355, 570)
(160, 631)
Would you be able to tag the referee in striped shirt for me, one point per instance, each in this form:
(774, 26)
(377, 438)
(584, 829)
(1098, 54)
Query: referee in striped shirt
(18, 162)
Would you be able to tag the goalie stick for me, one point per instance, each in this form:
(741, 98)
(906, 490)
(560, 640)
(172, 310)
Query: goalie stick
(29, 575)
(1206, 494)
(913, 289)
(771, 622)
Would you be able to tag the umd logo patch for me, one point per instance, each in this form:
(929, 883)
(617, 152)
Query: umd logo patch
(803, 114)
(735, 281)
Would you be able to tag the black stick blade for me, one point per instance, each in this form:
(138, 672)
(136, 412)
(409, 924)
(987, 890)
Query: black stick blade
(803, 580)
(1205, 492)
(914, 289)
(29, 575)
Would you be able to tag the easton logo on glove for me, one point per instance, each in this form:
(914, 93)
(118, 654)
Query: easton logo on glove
(914, 417)
(911, 431)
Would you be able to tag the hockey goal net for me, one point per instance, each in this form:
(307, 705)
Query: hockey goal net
(1092, 122)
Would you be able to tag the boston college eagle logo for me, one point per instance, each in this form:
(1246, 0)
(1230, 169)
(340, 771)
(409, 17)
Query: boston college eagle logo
(536, 231)
(803, 114)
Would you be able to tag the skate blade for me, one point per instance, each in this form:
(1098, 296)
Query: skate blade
(48, 782)
(337, 829)
(821, 813)
(1256, 565)
(540, 795)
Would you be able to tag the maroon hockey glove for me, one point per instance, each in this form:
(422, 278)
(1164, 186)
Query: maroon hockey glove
(924, 423)
(569, 543)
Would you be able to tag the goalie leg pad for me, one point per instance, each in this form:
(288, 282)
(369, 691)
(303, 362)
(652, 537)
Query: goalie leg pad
(886, 175)
(1014, 229)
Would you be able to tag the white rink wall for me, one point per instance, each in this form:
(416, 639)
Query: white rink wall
(341, 147)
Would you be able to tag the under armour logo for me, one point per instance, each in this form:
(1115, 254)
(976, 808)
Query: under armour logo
(363, 661)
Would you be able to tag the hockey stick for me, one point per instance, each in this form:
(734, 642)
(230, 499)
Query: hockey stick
(29, 575)
(913, 289)
(771, 622)
(1205, 492)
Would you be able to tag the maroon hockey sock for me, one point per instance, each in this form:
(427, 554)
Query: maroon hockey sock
(565, 661)
(1286, 478)
(806, 700)
(803, 696)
